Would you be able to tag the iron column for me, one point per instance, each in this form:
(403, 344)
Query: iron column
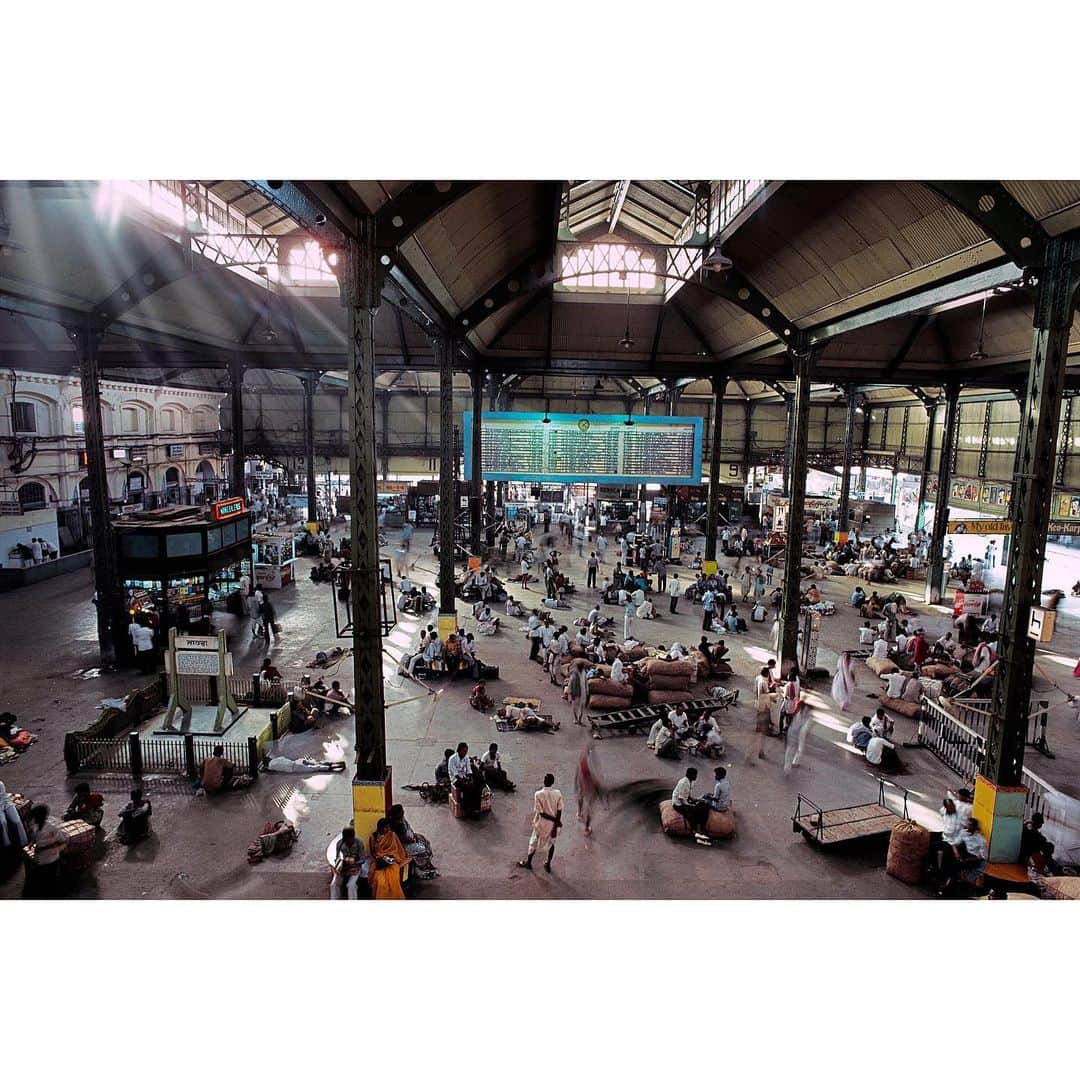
(1055, 302)
(236, 403)
(803, 357)
(924, 472)
(849, 449)
(719, 388)
(444, 352)
(106, 584)
(789, 404)
(309, 445)
(476, 500)
(935, 573)
(360, 294)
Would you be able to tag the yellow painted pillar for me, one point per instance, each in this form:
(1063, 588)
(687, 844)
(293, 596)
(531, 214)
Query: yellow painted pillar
(448, 625)
(1000, 814)
(371, 801)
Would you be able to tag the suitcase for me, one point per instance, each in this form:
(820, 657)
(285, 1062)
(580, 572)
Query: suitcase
(487, 671)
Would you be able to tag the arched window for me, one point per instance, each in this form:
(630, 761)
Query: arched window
(78, 418)
(172, 477)
(134, 419)
(136, 482)
(32, 497)
(31, 416)
(205, 420)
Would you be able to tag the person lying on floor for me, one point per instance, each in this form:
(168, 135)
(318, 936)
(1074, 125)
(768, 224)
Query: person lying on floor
(280, 764)
(526, 718)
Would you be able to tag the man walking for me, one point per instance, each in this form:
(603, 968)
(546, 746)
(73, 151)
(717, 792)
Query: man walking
(673, 590)
(763, 697)
(708, 604)
(546, 822)
(601, 547)
(534, 636)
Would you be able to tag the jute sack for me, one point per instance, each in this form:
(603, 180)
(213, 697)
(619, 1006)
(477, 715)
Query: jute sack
(667, 697)
(603, 701)
(908, 846)
(718, 826)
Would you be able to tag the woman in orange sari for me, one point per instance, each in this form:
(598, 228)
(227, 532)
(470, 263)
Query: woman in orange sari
(388, 858)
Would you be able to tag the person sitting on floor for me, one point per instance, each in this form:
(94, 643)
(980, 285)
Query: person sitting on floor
(479, 698)
(733, 622)
(269, 672)
(416, 845)
(694, 811)
(219, 774)
(881, 723)
(350, 863)
(859, 734)
(881, 649)
(486, 622)
(666, 744)
(336, 700)
(646, 610)
(134, 819)
(618, 671)
(494, 774)
(388, 860)
(88, 806)
(858, 597)
(867, 634)
(680, 720)
(513, 608)
(442, 770)
(879, 751)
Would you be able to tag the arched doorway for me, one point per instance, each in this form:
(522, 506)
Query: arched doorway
(172, 484)
(136, 486)
(205, 481)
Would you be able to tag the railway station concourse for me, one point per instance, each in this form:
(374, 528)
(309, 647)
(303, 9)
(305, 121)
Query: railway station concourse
(390, 404)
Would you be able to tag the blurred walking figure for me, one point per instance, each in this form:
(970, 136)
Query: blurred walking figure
(589, 787)
(577, 689)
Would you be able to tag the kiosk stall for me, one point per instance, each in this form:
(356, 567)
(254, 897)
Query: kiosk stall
(184, 557)
(275, 559)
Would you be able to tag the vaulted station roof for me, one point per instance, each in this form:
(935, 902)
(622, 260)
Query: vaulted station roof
(901, 283)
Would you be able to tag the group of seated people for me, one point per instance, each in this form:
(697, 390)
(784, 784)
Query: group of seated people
(670, 732)
(310, 702)
(870, 735)
(454, 657)
(394, 846)
(480, 584)
(486, 621)
(625, 585)
(413, 600)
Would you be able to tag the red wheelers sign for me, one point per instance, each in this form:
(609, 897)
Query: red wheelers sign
(227, 508)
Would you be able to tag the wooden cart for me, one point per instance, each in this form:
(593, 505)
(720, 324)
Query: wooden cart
(846, 824)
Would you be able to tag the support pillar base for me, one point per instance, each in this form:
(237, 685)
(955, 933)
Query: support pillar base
(371, 800)
(448, 624)
(999, 810)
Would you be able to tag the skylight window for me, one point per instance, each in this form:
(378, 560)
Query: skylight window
(608, 268)
(308, 266)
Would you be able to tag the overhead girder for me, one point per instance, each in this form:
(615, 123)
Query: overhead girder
(908, 344)
(167, 263)
(990, 205)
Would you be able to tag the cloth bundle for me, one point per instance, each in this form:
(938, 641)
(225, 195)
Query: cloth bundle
(908, 845)
(667, 697)
(904, 708)
(881, 666)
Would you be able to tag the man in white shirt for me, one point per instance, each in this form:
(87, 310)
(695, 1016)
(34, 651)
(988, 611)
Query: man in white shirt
(654, 733)
(880, 750)
(601, 547)
(974, 847)
(708, 604)
(534, 630)
(859, 734)
(546, 822)
(673, 591)
(894, 683)
(680, 719)
(881, 649)
(866, 634)
(464, 779)
(901, 643)
(638, 597)
(618, 672)
(142, 637)
(628, 621)
(693, 810)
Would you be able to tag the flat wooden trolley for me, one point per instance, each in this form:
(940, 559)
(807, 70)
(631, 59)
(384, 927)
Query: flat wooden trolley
(846, 824)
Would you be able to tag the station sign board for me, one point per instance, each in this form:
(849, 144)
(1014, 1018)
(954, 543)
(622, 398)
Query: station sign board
(979, 527)
(224, 509)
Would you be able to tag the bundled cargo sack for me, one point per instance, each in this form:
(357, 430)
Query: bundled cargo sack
(719, 825)
(667, 697)
(908, 847)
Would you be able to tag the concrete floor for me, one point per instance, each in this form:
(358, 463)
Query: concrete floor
(198, 850)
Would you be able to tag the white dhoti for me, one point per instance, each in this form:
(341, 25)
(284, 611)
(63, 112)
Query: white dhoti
(547, 801)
